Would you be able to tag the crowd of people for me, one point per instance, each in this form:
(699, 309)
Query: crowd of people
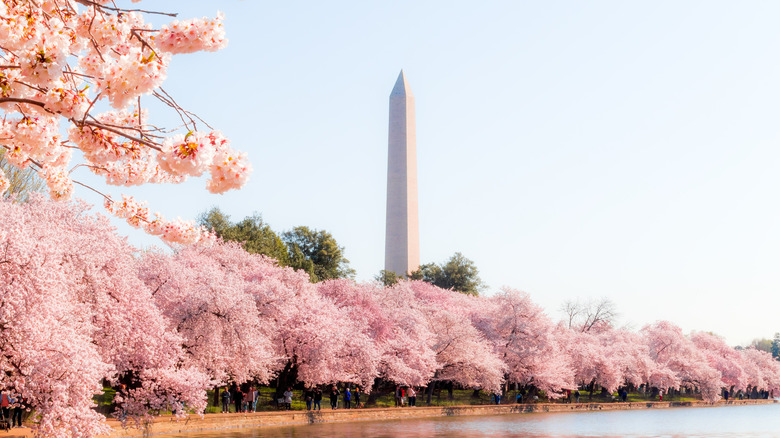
(12, 405)
(406, 396)
(244, 401)
(349, 398)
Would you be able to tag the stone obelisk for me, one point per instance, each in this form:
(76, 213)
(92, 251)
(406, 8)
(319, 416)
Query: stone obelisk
(402, 232)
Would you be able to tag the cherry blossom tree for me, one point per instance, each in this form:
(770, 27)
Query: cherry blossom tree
(463, 355)
(723, 358)
(526, 341)
(590, 361)
(762, 370)
(630, 356)
(65, 60)
(308, 332)
(408, 341)
(397, 331)
(208, 302)
(679, 362)
(72, 313)
(45, 340)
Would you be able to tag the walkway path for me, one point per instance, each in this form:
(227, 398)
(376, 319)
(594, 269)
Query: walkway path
(167, 424)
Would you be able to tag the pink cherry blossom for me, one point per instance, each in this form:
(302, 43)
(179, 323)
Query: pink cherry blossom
(76, 313)
(209, 304)
(526, 341)
(192, 35)
(64, 59)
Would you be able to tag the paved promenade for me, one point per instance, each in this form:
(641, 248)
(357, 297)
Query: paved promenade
(260, 419)
(214, 422)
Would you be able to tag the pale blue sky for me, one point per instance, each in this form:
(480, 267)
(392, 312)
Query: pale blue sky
(570, 148)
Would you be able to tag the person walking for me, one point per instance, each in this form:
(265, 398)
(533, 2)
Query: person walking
(334, 397)
(17, 407)
(318, 399)
(308, 397)
(347, 398)
(238, 397)
(247, 405)
(288, 398)
(226, 401)
(398, 396)
(412, 397)
(5, 404)
(253, 391)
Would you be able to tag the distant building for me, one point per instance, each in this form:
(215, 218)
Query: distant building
(402, 232)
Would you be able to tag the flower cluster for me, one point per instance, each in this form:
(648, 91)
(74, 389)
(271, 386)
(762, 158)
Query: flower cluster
(59, 183)
(33, 137)
(229, 170)
(179, 231)
(193, 35)
(64, 58)
(190, 154)
(138, 215)
(197, 152)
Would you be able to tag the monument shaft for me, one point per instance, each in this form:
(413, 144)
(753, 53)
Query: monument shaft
(402, 233)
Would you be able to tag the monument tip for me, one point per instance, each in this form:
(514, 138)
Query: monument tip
(401, 87)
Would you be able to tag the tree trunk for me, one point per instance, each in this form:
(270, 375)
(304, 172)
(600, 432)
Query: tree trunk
(287, 378)
(377, 391)
(450, 387)
(216, 396)
(429, 392)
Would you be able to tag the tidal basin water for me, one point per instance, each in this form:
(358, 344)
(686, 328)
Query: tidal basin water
(731, 421)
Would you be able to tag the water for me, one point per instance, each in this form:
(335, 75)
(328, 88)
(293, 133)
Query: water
(732, 421)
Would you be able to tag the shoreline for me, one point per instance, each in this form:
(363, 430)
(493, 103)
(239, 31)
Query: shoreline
(215, 422)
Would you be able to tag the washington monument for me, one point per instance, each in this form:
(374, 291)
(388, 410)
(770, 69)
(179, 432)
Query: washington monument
(402, 232)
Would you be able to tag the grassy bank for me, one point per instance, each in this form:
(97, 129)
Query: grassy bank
(443, 398)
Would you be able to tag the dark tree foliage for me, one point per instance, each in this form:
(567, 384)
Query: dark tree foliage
(254, 234)
(317, 253)
(458, 273)
(314, 251)
(388, 278)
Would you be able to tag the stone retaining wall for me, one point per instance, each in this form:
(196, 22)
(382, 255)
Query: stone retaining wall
(165, 425)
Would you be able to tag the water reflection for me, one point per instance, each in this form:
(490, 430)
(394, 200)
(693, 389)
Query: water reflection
(743, 421)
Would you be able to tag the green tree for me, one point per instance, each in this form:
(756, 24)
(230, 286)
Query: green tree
(458, 273)
(388, 278)
(253, 233)
(23, 181)
(762, 344)
(216, 221)
(776, 346)
(317, 253)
